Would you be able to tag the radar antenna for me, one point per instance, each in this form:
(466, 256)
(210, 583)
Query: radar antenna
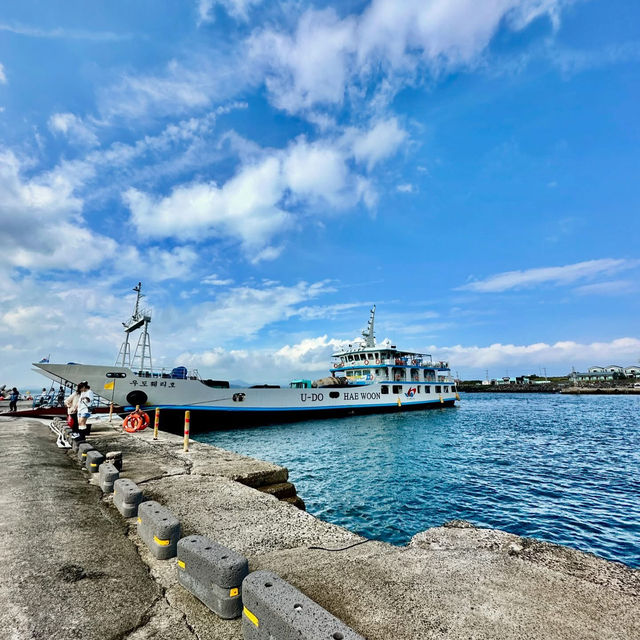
(142, 354)
(368, 333)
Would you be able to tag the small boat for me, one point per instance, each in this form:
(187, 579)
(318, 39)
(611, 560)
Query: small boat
(364, 378)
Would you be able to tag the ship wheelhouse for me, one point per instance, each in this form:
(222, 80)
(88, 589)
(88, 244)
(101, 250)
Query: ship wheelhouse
(367, 363)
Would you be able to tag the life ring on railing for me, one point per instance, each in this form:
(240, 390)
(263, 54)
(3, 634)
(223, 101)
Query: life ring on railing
(366, 362)
(414, 362)
(377, 361)
(136, 421)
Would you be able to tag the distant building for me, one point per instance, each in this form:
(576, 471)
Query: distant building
(610, 372)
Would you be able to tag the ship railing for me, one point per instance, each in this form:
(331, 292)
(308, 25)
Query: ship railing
(168, 374)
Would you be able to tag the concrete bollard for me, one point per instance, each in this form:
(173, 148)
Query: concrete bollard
(83, 448)
(213, 574)
(108, 475)
(93, 461)
(115, 458)
(126, 497)
(275, 609)
(159, 529)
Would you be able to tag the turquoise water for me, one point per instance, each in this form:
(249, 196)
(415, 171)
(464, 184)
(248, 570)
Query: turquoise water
(560, 468)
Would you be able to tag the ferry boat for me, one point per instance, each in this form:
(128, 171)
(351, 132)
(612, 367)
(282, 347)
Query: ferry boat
(364, 378)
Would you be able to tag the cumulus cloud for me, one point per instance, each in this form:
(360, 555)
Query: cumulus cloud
(325, 54)
(42, 223)
(529, 357)
(563, 275)
(76, 130)
(258, 202)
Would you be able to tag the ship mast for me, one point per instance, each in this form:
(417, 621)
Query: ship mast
(368, 333)
(142, 354)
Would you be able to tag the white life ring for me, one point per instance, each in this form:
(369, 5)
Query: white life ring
(366, 362)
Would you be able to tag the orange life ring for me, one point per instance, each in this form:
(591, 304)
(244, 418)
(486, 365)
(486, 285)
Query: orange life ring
(136, 421)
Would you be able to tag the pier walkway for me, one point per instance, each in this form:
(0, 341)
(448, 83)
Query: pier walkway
(72, 567)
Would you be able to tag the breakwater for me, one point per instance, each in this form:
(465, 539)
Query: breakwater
(94, 577)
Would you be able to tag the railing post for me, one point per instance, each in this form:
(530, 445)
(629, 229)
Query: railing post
(156, 423)
(187, 420)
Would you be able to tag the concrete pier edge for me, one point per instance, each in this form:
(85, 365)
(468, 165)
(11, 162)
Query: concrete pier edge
(74, 567)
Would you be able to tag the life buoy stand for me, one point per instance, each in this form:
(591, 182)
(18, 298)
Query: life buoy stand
(136, 421)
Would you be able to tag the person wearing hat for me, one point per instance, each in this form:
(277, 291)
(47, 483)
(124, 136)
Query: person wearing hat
(84, 408)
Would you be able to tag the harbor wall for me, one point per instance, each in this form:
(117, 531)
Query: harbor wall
(94, 578)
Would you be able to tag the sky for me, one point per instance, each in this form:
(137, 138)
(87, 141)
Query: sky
(270, 170)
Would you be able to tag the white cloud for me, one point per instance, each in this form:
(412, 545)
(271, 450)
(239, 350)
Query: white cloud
(312, 66)
(561, 355)
(246, 208)
(326, 53)
(3, 75)
(257, 203)
(609, 288)
(308, 358)
(405, 188)
(74, 128)
(566, 274)
(178, 89)
(381, 141)
(42, 223)
(238, 9)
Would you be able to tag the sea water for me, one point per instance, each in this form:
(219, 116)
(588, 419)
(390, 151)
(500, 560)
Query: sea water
(560, 468)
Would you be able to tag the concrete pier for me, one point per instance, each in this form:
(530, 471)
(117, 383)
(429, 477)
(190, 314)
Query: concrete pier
(73, 567)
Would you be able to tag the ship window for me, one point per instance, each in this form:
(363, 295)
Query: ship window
(350, 358)
(438, 388)
(427, 388)
(334, 394)
(397, 388)
(453, 388)
(418, 388)
(384, 389)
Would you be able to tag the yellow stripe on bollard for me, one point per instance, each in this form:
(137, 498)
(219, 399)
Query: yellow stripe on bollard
(181, 564)
(156, 423)
(251, 616)
(162, 543)
(139, 520)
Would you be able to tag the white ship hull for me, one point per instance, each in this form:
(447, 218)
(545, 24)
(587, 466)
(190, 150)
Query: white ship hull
(223, 406)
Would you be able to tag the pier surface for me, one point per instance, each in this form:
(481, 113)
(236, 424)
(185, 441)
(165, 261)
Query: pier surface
(74, 568)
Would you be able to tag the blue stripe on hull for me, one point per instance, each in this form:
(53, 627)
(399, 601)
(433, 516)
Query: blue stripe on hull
(211, 418)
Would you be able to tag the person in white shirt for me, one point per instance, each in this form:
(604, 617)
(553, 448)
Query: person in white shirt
(84, 408)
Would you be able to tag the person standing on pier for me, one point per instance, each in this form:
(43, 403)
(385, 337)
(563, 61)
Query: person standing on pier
(13, 400)
(84, 408)
(72, 407)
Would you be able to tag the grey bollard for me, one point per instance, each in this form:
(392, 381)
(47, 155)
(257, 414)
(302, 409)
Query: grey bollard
(275, 609)
(108, 475)
(115, 458)
(126, 497)
(83, 448)
(159, 529)
(93, 461)
(213, 574)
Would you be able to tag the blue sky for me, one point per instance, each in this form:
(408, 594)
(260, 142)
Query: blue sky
(271, 170)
